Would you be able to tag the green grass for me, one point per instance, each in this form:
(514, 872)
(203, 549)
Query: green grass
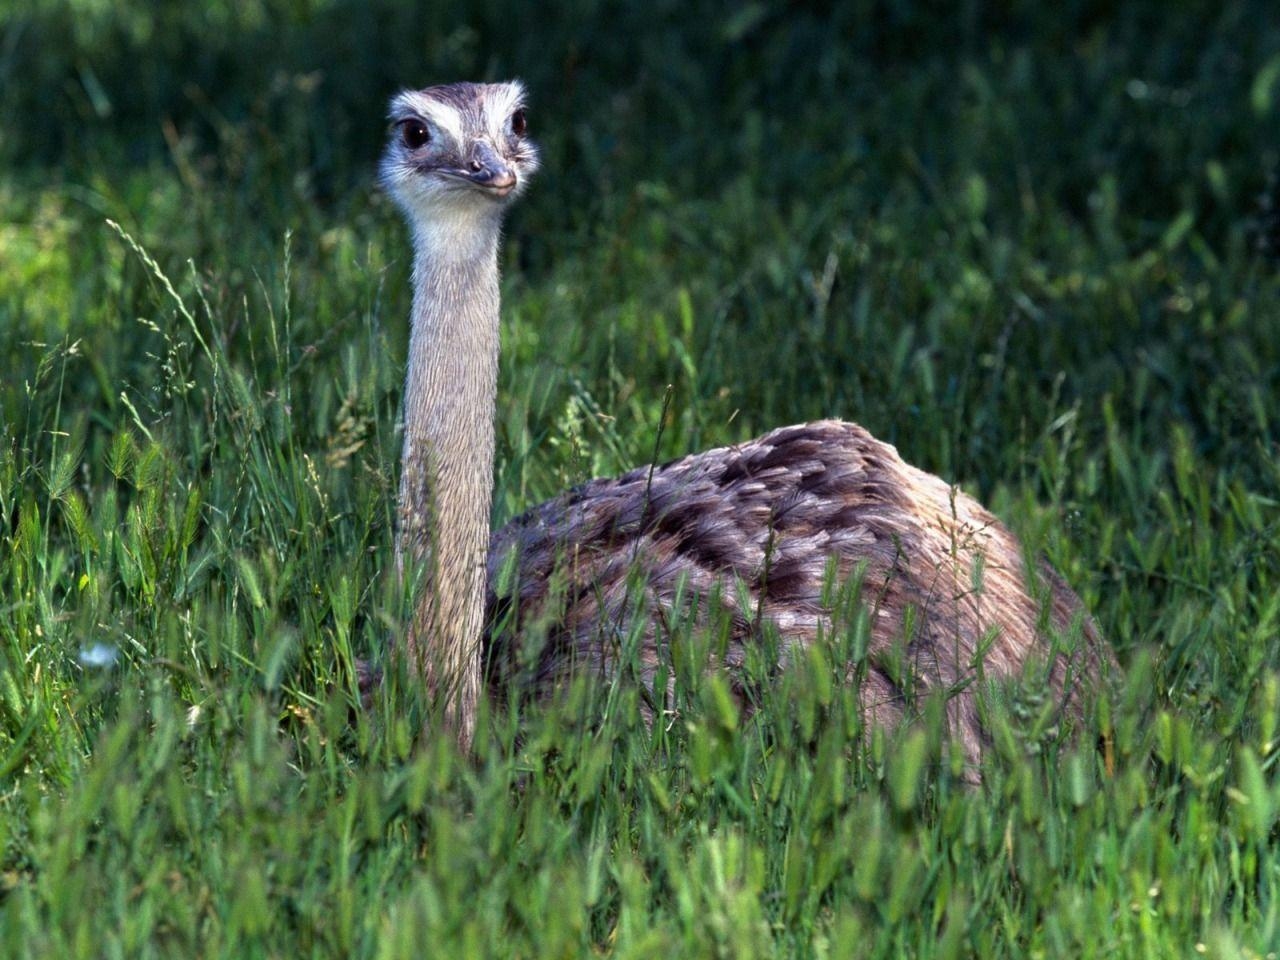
(1038, 251)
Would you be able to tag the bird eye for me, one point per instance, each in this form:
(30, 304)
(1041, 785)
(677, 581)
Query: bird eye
(519, 123)
(414, 133)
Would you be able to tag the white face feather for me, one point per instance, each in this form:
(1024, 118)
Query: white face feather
(444, 116)
(457, 153)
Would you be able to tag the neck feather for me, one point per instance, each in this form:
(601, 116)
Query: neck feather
(447, 467)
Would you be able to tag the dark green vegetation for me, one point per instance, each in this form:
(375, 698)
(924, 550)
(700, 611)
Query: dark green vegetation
(1039, 251)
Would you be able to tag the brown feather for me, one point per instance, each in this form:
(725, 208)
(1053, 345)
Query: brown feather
(765, 521)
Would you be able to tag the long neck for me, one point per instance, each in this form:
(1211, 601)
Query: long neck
(447, 469)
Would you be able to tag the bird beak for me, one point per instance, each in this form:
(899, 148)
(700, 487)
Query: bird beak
(488, 170)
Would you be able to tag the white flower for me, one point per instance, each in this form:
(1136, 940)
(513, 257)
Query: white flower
(99, 655)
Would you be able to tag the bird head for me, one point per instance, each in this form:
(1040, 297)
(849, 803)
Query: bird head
(458, 150)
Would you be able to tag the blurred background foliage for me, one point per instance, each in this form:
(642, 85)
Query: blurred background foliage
(969, 138)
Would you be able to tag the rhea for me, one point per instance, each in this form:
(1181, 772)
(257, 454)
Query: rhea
(759, 527)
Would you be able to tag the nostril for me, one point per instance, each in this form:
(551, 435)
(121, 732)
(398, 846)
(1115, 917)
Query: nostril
(476, 165)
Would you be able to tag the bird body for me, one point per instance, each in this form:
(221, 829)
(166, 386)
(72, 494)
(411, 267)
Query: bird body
(763, 527)
(767, 528)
